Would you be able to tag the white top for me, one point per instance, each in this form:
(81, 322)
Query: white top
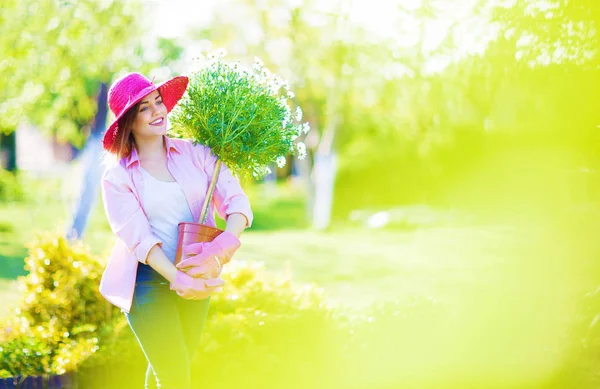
(166, 206)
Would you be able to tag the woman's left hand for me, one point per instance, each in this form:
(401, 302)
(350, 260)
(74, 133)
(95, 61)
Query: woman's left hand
(203, 256)
(204, 265)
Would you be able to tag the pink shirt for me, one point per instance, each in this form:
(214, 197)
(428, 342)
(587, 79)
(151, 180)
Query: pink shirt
(192, 167)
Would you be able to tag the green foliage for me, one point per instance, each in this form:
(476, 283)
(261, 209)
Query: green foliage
(251, 291)
(485, 133)
(169, 49)
(25, 355)
(62, 317)
(407, 134)
(10, 187)
(241, 116)
(55, 56)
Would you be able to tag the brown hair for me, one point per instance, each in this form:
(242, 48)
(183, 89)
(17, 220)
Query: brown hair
(124, 142)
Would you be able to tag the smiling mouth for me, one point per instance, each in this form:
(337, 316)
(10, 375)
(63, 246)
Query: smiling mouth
(157, 122)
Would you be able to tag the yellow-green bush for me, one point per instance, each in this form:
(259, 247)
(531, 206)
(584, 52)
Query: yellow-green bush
(62, 318)
(275, 333)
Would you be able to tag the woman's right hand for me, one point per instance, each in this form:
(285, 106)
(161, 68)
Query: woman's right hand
(189, 287)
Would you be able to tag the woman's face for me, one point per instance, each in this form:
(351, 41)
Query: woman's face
(151, 119)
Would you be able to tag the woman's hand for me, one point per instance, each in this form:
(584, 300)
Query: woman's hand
(203, 266)
(206, 259)
(189, 287)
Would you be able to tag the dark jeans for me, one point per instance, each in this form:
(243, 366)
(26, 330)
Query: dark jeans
(168, 329)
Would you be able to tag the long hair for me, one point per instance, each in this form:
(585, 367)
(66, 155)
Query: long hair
(124, 142)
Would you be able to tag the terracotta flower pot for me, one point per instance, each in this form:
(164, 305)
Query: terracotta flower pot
(194, 233)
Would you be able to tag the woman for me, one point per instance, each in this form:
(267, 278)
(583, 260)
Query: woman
(155, 183)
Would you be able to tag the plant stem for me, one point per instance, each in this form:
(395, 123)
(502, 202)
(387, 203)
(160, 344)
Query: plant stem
(211, 188)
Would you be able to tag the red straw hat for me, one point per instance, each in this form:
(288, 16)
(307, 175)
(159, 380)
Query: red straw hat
(128, 90)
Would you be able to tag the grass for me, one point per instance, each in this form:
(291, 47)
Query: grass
(9, 295)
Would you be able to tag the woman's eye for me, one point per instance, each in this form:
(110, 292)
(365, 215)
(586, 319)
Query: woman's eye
(143, 109)
(159, 102)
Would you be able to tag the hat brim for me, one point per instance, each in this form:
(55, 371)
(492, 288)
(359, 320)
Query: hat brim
(171, 91)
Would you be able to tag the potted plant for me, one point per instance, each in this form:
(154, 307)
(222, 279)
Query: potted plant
(244, 117)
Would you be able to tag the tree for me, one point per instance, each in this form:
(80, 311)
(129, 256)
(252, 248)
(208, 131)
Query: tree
(57, 54)
(59, 58)
(404, 127)
(329, 61)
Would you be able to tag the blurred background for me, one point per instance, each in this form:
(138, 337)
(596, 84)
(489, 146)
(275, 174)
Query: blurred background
(441, 233)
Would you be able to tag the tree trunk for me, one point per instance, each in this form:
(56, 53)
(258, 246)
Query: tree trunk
(92, 169)
(323, 174)
(8, 151)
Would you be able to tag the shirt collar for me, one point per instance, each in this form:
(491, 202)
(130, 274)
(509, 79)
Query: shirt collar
(171, 146)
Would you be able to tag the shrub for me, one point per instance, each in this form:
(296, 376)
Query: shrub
(62, 318)
(272, 331)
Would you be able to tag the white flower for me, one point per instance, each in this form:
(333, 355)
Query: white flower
(280, 81)
(288, 111)
(196, 64)
(305, 127)
(258, 65)
(290, 95)
(281, 161)
(221, 53)
(298, 113)
(301, 150)
(273, 88)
